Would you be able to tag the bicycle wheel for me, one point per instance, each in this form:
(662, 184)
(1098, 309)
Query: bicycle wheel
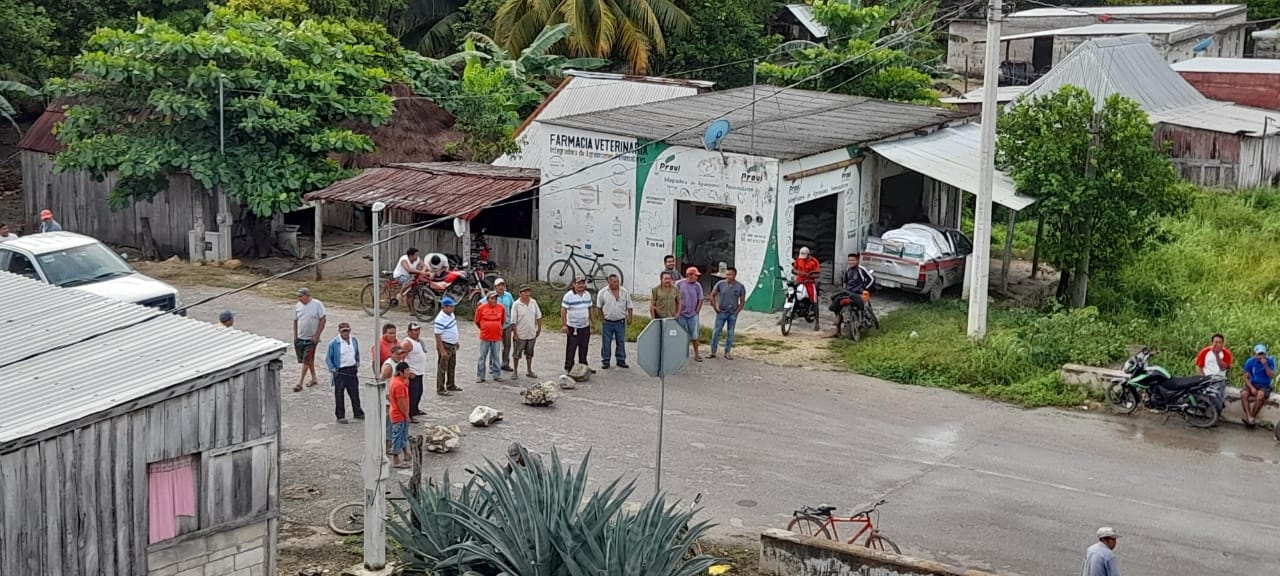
(598, 280)
(366, 298)
(425, 303)
(809, 526)
(560, 274)
(877, 542)
(347, 519)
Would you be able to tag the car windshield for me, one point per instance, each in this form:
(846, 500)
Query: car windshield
(82, 265)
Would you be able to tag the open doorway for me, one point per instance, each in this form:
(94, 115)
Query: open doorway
(705, 238)
(901, 202)
(815, 227)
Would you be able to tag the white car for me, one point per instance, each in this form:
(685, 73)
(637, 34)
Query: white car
(79, 262)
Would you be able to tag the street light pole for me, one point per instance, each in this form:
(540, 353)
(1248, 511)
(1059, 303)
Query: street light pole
(980, 259)
(374, 468)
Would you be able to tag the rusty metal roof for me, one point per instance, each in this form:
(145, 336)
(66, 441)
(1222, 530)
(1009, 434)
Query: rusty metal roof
(39, 137)
(459, 189)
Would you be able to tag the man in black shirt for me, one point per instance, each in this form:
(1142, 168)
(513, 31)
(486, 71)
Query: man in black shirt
(856, 279)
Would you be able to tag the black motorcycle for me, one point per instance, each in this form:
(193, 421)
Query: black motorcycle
(1199, 399)
(855, 319)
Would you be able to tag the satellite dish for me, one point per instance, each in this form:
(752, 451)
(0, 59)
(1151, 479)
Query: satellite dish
(459, 227)
(715, 134)
(1202, 45)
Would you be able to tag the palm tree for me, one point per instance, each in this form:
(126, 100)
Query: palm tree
(534, 65)
(632, 30)
(7, 110)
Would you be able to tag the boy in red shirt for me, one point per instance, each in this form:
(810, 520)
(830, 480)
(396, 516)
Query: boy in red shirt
(490, 317)
(398, 394)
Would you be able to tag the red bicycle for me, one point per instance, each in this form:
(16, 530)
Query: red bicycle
(422, 303)
(818, 522)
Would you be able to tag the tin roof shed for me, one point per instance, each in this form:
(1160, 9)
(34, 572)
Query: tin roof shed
(438, 188)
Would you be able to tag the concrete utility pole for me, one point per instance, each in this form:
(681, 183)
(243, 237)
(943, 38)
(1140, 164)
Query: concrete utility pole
(980, 260)
(375, 470)
(224, 203)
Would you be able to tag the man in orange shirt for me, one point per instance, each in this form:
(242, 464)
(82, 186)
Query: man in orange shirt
(806, 268)
(398, 395)
(490, 317)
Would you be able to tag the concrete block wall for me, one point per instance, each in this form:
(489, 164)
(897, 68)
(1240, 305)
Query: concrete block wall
(235, 552)
(785, 553)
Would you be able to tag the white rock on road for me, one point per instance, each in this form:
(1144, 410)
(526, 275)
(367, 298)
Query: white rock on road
(483, 416)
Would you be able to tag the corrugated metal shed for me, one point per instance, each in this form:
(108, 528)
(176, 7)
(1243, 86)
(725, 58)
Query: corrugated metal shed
(1117, 29)
(69, 355)
(438, 188)
(804, 15)
(1229, 65)
(952, 155)
(1129, 66)
(39, 138)
(586, 92)
(1182, 10)
(788, 123)
(1223, 117)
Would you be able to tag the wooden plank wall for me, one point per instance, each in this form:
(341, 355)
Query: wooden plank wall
(81, 205)
(517, 258)
(76, 504)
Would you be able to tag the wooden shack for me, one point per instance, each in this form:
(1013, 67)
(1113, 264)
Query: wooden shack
(121, 454)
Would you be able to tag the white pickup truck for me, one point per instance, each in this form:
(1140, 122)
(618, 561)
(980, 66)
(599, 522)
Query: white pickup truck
(918, 258)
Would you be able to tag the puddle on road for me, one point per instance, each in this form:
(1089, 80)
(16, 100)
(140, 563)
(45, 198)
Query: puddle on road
(1206, 442)
(939, 441)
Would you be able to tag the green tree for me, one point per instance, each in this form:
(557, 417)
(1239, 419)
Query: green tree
(630, 31)
(487, 106)
(1099, 184)
(724, 31)
(534, 66)
(26, 40)
(150, 104)
(857, 61)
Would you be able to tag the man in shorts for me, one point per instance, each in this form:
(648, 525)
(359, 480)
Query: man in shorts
(690, 306)
(1259, 373)
(526, 318)
(308, 325)
(398, 415)
(408, 267)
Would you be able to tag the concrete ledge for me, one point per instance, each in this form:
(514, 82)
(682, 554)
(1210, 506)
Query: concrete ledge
(784, 553)
(1100, 377)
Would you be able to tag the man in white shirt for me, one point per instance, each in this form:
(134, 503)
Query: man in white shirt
(308, 325)
(416, 356)
(575, 315)
(1099, 560)
(407, 268)
(5, 234)
(615, 309)
(446, 330)
(343, 361)
(526, 318)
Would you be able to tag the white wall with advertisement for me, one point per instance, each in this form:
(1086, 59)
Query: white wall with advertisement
(595, 207)
(845, 182)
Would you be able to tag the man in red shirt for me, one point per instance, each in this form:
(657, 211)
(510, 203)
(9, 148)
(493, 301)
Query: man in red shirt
(490, 317)
(398, 395)
(806, 269)
(1215, 359)
(385, 343)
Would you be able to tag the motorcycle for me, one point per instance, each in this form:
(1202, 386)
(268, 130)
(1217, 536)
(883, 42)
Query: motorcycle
(797, 305)
(480, 254)
(1199, 399)
(466, 284)
(854, 319)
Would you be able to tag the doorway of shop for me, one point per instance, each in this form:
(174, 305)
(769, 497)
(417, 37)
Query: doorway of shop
(815, 227)
(705, 237)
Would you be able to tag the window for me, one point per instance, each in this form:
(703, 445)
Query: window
(19, 264)
(171, 493)
(82, 265)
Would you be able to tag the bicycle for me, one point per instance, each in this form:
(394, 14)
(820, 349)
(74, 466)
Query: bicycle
(819, 522)
(422, 302)
(347, 519)
(562, 271)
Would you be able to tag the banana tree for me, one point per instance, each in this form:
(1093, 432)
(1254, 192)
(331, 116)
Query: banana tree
(534, 65)
(7, 111)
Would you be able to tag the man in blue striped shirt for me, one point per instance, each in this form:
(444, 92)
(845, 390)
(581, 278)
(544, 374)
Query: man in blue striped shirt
(446, 329)
(575, 315)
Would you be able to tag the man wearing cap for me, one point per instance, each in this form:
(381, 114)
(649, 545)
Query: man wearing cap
(343, 362)
(416, 356)
(575, 315)
(308, 325)
(690, 306)
(508, 327)
(806, 268)
(1099, 560)
(490, 317)
(1259, 372)
(526, 318)
(446, 330)
(47, 223)
(614, 304)
(226, 319)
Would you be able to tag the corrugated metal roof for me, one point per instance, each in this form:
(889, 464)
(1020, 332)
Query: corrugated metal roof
(39, 137)
(687, 82)
(952, 155)
(1116, 29)
(136, 352)
(1229, 65)
(804, 15)
(1003, 94)
(582, 93)
(1128, 66)
(460, 189)
(789, 123)
(1182, 10)
(1223, 117)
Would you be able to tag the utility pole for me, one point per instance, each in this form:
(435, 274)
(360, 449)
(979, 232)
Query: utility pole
(374, 468)
(755, 66)
(1080, 281)
(980, 260)
(224, 205)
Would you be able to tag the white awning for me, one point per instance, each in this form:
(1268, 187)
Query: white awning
(951, 155)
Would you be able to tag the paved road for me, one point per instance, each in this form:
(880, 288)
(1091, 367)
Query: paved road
(969, 482)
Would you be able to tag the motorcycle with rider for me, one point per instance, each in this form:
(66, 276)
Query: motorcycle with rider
(852, 305)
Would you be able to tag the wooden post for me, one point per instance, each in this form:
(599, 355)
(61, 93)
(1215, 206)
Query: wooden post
(1008, 252)
(1035, 249)
(319, 215)
(149, 251)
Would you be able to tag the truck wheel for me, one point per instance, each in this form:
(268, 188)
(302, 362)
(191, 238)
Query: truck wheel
(935, 293)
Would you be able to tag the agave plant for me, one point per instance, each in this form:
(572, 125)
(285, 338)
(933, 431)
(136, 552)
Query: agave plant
(538, 520)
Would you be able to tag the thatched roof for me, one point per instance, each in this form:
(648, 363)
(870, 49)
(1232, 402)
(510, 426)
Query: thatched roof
(416, 132)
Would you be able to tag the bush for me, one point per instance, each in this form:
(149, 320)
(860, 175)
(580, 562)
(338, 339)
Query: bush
(537, 520)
